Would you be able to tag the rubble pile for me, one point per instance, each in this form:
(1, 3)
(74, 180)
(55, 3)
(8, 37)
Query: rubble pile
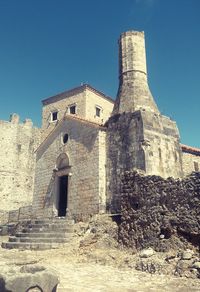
(160, 213)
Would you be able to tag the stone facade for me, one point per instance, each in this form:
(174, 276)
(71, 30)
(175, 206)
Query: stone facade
(86, 101)
(82, 160)
(17, 165)
(87, 141)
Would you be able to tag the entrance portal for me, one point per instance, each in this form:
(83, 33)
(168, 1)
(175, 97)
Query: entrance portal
(63, 192)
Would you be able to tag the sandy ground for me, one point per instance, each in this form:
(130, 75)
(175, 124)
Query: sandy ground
(88, 269)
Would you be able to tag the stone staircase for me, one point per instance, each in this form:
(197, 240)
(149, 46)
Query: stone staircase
(41, 234)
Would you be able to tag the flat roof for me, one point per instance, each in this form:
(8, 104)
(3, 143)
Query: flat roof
(74, 91)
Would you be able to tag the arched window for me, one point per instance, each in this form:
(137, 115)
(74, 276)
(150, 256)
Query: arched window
(65, 138)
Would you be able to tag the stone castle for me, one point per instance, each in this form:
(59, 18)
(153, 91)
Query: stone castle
(73, 164)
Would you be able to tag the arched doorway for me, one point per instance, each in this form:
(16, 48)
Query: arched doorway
(62, 184)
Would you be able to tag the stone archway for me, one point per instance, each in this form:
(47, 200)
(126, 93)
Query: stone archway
(62, 161)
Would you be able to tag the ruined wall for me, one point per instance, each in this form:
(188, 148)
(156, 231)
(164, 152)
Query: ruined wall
(159, 213)
(86, 151)
(18, 141)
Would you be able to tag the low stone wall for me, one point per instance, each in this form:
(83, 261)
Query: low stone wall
(22, 213)
(159, 213)
(3, 217)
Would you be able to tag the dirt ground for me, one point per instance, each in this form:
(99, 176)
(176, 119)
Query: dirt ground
(92, 261)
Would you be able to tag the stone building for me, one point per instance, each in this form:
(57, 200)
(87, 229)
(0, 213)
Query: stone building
(70, 163)
(87, 140)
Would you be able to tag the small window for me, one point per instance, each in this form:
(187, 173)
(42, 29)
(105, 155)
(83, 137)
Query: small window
(98, 111)
(54, 116)
(196, 166)
(65, 138)
(72, 110)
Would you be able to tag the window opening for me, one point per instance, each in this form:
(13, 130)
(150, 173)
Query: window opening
(98, 111)
(72, 110)
(196, 166)
(65, 138)
(54, 116)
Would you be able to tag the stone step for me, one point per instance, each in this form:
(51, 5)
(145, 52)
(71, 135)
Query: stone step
(38, 239)
(53, 220)
(48, 229)
(44, 234)
(27, 245)
(50, 225)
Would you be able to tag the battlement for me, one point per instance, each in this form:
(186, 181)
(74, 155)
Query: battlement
(15, 120)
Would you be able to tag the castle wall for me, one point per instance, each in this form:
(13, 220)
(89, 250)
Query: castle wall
(86, 187)
(17, 164)
(189, 161)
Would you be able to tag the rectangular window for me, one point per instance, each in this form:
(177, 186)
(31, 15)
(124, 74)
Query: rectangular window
(54, 116)
(72, 109)
(98, 111)
(196, 166)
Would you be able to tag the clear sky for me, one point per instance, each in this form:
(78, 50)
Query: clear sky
(49, 46)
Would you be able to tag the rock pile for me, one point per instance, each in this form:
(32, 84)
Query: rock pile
(28, 278)
(160, 213)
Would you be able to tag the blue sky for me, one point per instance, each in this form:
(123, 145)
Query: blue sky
(48, 46)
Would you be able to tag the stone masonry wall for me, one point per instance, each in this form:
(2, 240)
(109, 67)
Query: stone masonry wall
(62, 107)
(133, 93)
(85, 101)
(86, 151)
(124, 152)
(189, 161)
(140, 141)
(94, 100)
(18, 142)
(159, 213)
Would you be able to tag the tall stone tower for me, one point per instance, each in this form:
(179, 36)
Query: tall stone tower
(139, 137)
(133, 93)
